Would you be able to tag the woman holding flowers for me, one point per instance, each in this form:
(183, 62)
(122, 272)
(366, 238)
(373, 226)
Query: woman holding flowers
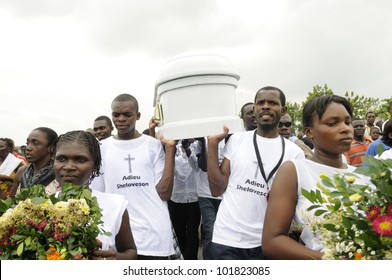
(77, 161)
(327, 122)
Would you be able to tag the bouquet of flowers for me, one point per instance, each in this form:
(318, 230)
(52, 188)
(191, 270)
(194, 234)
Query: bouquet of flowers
(354, 221)
(34, 225)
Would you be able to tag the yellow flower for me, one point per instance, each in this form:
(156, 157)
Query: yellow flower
(47, 203)
(61, 205)
(355, 197)
(84, 206)
(350, 179)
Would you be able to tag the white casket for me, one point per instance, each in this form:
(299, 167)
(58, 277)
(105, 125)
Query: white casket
(195, 97)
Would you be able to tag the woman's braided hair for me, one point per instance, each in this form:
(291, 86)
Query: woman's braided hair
(86, 139)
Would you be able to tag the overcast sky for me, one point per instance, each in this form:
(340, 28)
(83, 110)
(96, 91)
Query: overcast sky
(63, 61)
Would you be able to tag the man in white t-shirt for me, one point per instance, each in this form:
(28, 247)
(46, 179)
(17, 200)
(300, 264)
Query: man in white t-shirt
(245, 176)
(136, 166)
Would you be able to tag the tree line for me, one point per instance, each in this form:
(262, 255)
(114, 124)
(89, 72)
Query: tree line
(361, 105)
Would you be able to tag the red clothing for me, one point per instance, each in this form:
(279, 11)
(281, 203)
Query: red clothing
(357, 152)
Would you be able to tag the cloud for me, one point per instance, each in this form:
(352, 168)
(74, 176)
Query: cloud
(156, 27)
(39, 8)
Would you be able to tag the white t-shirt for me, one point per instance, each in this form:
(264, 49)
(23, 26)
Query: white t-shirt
(308, 175)
(132, 168)
(240, 218)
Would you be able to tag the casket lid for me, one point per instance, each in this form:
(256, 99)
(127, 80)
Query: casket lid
(194, 64)
(191, 64)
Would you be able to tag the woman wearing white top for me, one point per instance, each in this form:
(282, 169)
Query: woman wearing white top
(327, 122)
(77, 161)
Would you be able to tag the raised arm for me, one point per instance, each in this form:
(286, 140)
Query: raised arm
(165, 184)
(218, 176)
(202, 157)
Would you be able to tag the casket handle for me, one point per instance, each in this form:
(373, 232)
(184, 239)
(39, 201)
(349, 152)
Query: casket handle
(158, 116)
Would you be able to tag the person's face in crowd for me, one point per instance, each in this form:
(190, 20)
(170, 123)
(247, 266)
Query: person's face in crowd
(124, 116)
(73, 163)
(375, 133)
(333, 132)
(23, 150)
(379, 124)
(37, 147)
(249, 117)
(359, 128)
(4, 149)
(370, 119)
(102, 130)
(284, 126)
(268, 109)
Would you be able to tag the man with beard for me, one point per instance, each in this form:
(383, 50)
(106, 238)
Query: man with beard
(245, 176)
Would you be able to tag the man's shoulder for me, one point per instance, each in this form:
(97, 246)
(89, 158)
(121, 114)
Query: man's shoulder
(293, 150)
(241, 135)
(375, 143)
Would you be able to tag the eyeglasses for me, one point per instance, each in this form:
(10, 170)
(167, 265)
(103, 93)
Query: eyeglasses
(286, 124)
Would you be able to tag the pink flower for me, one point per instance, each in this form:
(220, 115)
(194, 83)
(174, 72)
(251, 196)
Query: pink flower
(382, 225)
(373, 212)
(32, 223)
(42, 224)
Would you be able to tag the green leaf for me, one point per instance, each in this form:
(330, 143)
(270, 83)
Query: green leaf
(19, 250)
(337, 206)
(331, 227)
(320, 212)
(308, 195)
(38, 200)
(18, 237)
(313, 207)
(28, 240)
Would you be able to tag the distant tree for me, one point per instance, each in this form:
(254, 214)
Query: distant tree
(382, 111)
(317, 91)
(361, 105)
(295, 109)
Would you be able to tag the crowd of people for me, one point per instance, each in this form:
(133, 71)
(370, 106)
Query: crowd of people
(164, 199)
